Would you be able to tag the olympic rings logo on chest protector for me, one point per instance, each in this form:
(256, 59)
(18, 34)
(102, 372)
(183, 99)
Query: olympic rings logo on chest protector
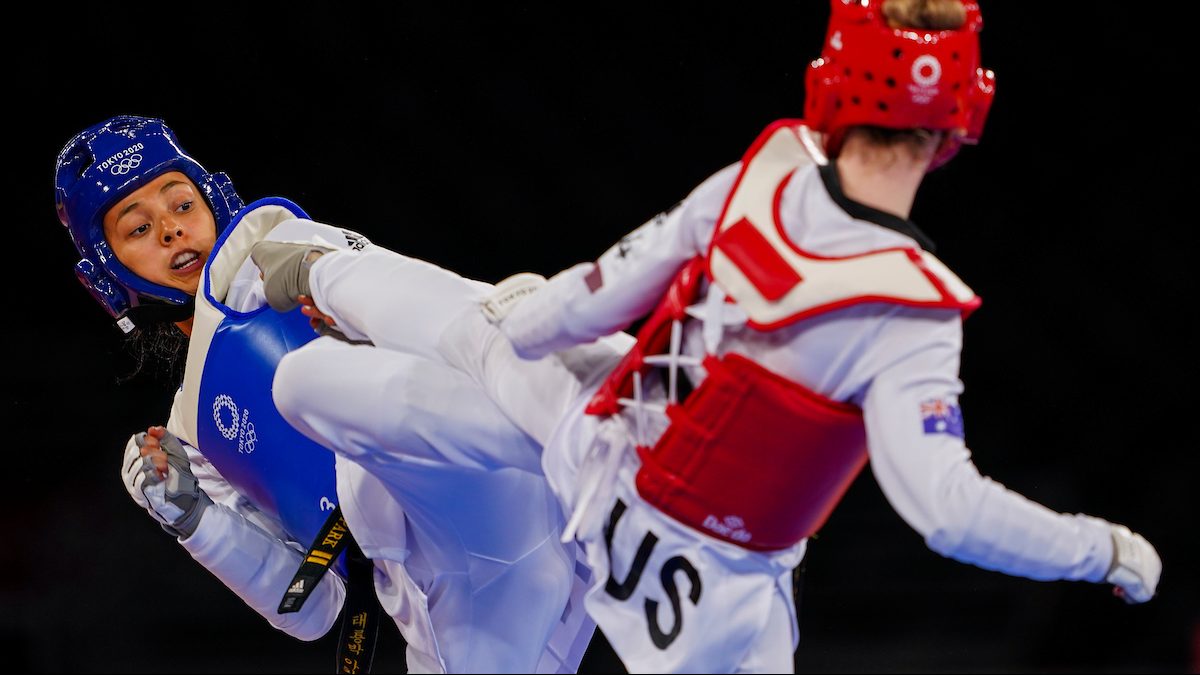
(126, 165)
(223, 403)
(239, 428)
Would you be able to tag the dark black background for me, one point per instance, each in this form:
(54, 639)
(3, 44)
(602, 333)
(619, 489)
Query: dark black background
(497, 139)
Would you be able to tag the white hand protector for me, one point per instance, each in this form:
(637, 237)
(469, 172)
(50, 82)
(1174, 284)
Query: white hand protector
(176, 502)
(509, 292)
(131, 469)
(1135, 567)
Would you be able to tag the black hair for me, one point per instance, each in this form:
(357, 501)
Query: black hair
(158, 349)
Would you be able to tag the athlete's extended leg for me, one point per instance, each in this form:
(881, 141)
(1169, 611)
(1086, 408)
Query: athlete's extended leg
(409, 305)
(379, 405)
(483, 527)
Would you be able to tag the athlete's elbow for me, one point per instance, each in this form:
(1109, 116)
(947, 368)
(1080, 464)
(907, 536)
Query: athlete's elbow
(310, 624)
(950, 513)
(929, 506)
(305, 632)
(946, 539)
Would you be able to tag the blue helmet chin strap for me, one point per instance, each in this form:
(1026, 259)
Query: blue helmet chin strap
(99, 167)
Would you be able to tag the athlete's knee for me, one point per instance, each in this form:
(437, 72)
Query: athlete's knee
(549, 571)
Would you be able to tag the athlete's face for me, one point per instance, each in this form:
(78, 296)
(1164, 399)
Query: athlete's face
(163, 232)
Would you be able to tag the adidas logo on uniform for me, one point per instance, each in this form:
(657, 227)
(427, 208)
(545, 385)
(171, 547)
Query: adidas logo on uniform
(297, 587)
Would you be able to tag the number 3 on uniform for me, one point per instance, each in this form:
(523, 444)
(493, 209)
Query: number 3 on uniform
(623, 590)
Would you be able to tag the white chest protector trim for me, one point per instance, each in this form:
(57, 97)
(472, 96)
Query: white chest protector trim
(777, 283)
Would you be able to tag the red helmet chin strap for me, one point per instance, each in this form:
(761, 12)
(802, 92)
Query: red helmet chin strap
(870, 74)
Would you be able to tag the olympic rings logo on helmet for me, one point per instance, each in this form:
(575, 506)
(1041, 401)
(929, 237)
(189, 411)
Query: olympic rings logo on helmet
(926, 70)
(126, 165)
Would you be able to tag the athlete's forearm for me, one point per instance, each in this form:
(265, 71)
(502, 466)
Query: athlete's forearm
(976, 520)
(258, 567)
(919, 458)
(591, 300)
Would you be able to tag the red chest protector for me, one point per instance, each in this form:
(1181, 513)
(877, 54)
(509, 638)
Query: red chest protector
(751, 457)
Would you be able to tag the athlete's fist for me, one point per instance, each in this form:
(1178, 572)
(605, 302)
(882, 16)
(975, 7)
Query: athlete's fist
(1135, 567)
(158, 476)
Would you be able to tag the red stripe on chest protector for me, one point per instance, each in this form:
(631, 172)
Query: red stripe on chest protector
(758, 260)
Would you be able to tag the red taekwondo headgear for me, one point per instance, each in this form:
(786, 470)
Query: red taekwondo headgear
(898, 78)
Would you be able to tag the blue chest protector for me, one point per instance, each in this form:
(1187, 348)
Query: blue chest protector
(240, 431)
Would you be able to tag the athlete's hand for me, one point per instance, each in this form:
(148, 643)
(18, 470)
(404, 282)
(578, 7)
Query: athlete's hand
(316, 318)
(284, 268)
(158, 476)
(1135, 568)
(151, 447)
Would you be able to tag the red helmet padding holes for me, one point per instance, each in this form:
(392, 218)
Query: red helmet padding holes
(870, 74)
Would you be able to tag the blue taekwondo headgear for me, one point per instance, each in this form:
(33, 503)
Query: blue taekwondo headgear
(100, 166)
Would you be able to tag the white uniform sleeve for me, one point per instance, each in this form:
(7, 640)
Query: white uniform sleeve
(246, 551)
(591, 300)
(925, 470)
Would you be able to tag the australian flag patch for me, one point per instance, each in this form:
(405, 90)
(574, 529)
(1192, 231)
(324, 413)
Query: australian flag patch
(942, 417)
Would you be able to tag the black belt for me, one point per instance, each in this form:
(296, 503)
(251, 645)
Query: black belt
(361, 611)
